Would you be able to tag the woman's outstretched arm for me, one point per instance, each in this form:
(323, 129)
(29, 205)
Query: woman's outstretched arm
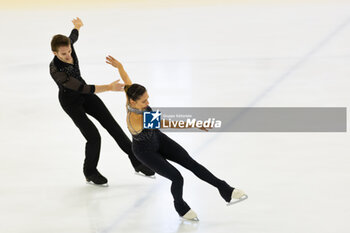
(112, 61)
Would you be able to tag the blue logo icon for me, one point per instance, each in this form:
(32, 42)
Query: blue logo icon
(151, 120)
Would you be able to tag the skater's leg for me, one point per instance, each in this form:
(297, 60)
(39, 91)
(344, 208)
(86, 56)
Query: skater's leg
(96, 108)
(161, 166)
(91, 134)
(174, 152)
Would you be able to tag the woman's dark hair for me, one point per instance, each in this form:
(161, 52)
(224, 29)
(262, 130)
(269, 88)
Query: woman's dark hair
(134, 91)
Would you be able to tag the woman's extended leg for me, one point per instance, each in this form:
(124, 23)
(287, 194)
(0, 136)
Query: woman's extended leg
(174, 152)
(160, 165)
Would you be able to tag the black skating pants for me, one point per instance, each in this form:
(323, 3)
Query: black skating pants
(156, 151)
(78, 107)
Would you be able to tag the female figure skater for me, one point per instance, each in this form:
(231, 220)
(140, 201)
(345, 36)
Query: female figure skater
(154, 148)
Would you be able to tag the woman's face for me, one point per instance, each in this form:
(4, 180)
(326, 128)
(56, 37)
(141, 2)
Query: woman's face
(141, 103)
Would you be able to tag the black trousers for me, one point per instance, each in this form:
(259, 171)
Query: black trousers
(77, 106)
(156, 151)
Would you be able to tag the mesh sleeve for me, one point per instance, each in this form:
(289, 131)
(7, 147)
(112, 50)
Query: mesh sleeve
(70, 82)
(74, 35)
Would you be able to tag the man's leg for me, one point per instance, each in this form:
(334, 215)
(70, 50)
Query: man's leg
(91, 134)
(96, 108)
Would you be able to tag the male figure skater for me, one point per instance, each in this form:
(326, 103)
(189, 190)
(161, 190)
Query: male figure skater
(78, 99)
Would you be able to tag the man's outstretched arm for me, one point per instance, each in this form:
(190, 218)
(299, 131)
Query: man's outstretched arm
(76, 85)
(75, 32)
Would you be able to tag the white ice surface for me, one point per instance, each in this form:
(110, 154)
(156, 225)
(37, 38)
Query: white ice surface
(230, 55)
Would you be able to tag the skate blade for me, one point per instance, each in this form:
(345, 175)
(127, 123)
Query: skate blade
(143, 175)
(196, 219)
(244, 197)
(99, 185)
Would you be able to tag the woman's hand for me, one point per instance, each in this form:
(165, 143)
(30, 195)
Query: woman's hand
(116, 86)
(112, 61)
(206, 129)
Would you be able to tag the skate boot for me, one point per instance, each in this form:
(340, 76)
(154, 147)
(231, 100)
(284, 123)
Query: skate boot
(97, 179)
(239, 195)
(190, 215)
(184, 211)
(143, 170)
(231, 195)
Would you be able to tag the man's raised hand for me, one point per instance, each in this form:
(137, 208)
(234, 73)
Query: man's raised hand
(77, 23)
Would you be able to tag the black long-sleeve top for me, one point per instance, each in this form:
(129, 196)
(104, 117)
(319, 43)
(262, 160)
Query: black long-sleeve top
(67, 76)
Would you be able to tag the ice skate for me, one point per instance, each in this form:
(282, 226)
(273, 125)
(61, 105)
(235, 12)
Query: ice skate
(237, 196)
(190, 215)
(142, 170)
(97, 179)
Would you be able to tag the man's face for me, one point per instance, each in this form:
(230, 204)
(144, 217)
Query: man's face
(64, 54)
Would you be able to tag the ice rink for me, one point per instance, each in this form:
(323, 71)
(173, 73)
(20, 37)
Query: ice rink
(188, 54)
